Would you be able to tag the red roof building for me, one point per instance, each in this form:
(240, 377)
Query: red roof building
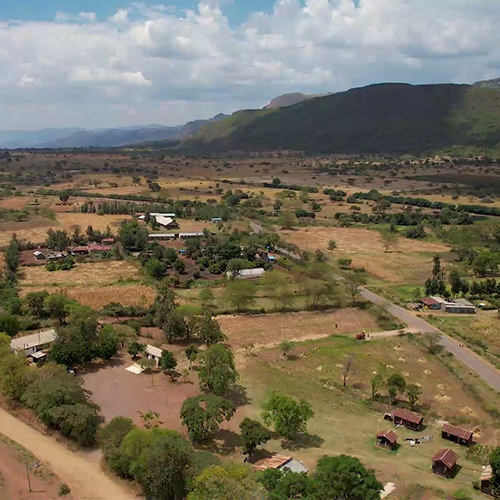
(407, 418)
(443, 462)
(456, 434)
(387, 439)
(94, 247)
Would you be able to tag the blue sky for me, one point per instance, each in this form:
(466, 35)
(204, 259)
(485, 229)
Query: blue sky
(237, 11)
(125, 65)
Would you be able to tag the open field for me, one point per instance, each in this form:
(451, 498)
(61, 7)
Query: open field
(85, 274)
(13, 480)
(271, 329)
(33, 230)
(69, 221)
(316, 376)
(408, 261)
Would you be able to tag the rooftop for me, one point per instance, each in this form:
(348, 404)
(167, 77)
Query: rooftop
(391, 436)
(33, 340)
(275, 461)
(154, 351)
(457, 432)
(447, 457)
(409, 416)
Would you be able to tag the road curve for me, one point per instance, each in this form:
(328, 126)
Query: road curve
(86, 478)
(477, 364)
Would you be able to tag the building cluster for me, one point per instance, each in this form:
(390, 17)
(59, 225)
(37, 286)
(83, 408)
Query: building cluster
(457, 306)
(106, 245)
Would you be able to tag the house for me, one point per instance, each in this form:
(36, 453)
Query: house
(456, 434)
(162, 236)
(184, 236)
(458, 306)
(387, 439)
(271, 259)
(108, 241)
(38, 357)
(485, 480)
(443, 462)
(39, 255)
(167, 222)
(80, 251)
(153, 353)
(280, 462)
(248, 274)
(156, 214)
(217, 220)
(182, 251)
(430, 303)
(33, 343)
(408, 419)
(96, 247)
(56, 256)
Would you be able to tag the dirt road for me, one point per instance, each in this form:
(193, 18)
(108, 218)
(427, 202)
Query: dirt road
(85, 477)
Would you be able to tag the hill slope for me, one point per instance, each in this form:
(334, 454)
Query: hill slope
(379, 118)
(286, 100)
(489, 84)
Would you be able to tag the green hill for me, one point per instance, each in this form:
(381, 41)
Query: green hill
(385, 118)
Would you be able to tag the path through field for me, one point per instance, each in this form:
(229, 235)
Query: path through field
(85, 477)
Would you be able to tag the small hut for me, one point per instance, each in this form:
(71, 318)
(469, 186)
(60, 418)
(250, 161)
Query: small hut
(387, 439)
(444, 462)
(456, 434)
(410, 420)
(486, 476)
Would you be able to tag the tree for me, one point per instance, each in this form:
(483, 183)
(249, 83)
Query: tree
(209, 331)
(135, 349)
(240, 294)
(217, 372)
(485, 263)
(108, 344)
(495, 466)
(35, 302)
(284, 485)
(413, 392)
(168, 363)
(396, 384)
(332, 245)
(57, 240)
(288, 416)
(287, 220)
(64, 197)
(274, 283)
(14, 371)
(455, 282)
(206, 297)
(229, 482)
(347, 368)
(253, 434)
(9, 324)
(376, 383)
(286, 347)
(191, 354)
(179, 266)
(11, 256)
(155, 269)
(276, 181)
(132, 236)
(203, 414)
(345, 478)
(388, 240)
(235, 266)
(353, 283)
(79, 422)
(433, 342)
(56, 306)
(111, 436)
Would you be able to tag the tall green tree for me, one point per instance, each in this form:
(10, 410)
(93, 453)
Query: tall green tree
(253, 434)
(240, 294)
(168, 363)
(218, 371)
(288, 416)
(209, 331)
(203, 414)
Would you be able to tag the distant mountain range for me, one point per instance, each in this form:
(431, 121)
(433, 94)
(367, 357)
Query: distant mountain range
(489, 84)
(383, 118)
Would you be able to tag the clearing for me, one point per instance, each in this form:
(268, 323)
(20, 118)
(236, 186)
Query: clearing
(69, 221)
(271, 329)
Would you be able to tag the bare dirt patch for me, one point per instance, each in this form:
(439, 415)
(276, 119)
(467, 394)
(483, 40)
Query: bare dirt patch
(272, 329)
(33, 230)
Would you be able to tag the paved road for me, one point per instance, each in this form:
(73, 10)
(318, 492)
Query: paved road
(466, 356)
(85, 477)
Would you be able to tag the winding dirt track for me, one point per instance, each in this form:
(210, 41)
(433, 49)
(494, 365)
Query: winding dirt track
(85, 477)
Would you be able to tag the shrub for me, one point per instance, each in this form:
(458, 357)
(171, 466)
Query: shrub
(64, 490)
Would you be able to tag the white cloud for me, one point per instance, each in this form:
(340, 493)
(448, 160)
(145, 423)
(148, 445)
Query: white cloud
(153, 64)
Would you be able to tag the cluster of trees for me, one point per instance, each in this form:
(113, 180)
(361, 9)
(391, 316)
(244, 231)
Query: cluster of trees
(132, 236)
(56, 397)
(60, 240)
(396, 386)
(156, 259)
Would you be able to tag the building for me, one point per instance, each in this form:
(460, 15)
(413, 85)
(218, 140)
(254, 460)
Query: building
(96, 247)
(217, 220)
(108, 241)
(167, 222)
(387, 439)
(162, 236)
(247, 274)
(430, 303)
(80, 251)
(456, 434)
(408, 419)
(157, 214)
(443, 462)
(458, 306)
(153, 353)
(33, 343)
(485, 480)
(184, 236)
(56, 256)
(39, 255)
(280, 462)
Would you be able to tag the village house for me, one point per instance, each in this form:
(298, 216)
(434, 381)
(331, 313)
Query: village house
(39, 255)
(485, 480)
(97, 248)
(184, 236)
(456, 434)
(457, 306)
(162, 236)
(247, 274)
(444, 462)
(280, 462)
(387, 439)
(153, 353)
(30, 344)
(408, 419)
(166, 222)
(108, 241)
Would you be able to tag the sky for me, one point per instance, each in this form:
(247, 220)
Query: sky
(112, 63)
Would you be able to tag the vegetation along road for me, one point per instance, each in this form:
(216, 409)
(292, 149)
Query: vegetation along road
(85, 477)
(474, 362)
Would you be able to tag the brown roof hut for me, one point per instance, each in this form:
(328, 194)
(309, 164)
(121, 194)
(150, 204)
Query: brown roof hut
(486, 476)
(443, 462)
(456, 434)
(410, 420)
(387, 439)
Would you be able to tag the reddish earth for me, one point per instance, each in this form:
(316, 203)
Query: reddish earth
(13, 479)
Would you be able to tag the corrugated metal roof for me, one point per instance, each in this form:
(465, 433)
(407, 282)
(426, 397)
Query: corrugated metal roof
(409, 416)
(487, 473)
(164, 221)
(294, 466)
(447, 456)
(457, 432)
(391, 436)
(33, 340)
(429, 301)
(154, 351)
(273, 462)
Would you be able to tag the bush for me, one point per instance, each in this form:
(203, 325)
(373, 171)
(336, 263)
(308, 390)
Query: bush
(64, 490)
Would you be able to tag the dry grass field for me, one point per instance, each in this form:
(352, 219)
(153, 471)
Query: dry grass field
(87, 274)
(69, 221)
(271, 329)
(33, 230)
(408, 261)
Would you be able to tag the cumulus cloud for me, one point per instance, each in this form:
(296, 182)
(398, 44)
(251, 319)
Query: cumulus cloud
(149, 64)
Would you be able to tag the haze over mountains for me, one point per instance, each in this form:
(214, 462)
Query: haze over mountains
(382, 117)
